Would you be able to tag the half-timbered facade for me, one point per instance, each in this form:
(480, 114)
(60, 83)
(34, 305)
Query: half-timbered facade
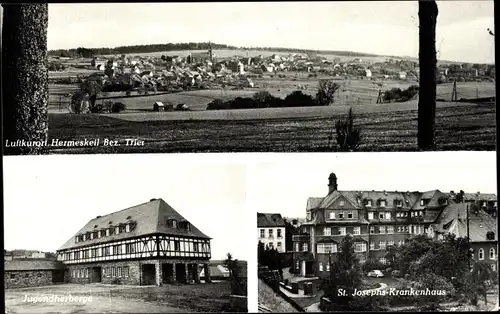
(147, 244)
(375, 219)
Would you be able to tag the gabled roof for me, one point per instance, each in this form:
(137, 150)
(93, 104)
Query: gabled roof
(270, 220)
(480, 197)
(454, 220)
(32, 264)
(151, 218)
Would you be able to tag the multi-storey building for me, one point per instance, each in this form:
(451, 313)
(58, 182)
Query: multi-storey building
(271, 231)
(150, 243)
(375, 219)
(474, 223)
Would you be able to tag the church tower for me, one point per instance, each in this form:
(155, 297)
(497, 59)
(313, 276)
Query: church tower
(332, 183)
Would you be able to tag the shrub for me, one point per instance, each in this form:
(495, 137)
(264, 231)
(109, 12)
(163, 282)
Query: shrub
(299, 99)
(326, 92)
(372, 264)
(396, 274)
(348, 137)
(117, 107)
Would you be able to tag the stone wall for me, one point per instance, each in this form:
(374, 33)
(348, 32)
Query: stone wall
(21, 279)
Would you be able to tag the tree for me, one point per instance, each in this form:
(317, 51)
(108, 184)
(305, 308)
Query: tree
(326, 92)
(348, 137)
(427, 13)
(24, 69)
(479, 280)
(345, 274)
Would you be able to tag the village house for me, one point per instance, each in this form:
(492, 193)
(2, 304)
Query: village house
(147, 244)
(482, 231)
(402, 75)
(376, 219)
(271, 231)
(20, 273)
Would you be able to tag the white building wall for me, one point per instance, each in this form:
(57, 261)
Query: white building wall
(269, 237)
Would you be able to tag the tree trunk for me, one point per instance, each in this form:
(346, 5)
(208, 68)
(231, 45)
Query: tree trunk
(427, 14)
(25, 83)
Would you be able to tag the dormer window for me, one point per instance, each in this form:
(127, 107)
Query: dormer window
(112, 230)
(484, 204)
(100, 233)
(368, 203)
(421, 202)
(398, 203)
(184, 225)
(107, 232)
(127, 228)
(341, 215)
(349, 215)
(123, 228)
(128, 217)
(382, 203)
(117, 230)
(172, 223)
(83, 237)
(77, 239)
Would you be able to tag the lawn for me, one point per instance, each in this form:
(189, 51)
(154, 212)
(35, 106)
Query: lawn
(122, 299)
(458, 127)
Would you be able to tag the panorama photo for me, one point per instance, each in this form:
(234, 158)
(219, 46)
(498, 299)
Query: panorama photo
(249, 77)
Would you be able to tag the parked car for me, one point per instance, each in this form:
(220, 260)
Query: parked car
(375, 273)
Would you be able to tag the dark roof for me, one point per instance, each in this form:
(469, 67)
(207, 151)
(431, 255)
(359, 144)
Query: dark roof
(32, 264)
(454, 220)
(270, 220)
(480, 197)
(151, 218)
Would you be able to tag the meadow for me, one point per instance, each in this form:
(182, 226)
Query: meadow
(459, 126)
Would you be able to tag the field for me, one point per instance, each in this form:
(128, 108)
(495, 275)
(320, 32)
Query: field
(353, 92)
(123, 299)
(459, 126)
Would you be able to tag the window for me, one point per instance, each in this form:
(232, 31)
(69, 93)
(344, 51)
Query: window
(320, 266)
(107, 232)
(195, 247)
(304, 247)
(86, 253)
(117, 249)
(381, 229)
(125, 271)
(387, 215)
(77, 239)
(262, 233)
(327, 231)
(332, 215)
(279, 233)
(382, 203)
(399, 203)
(372, 245)
(406, 228)
(108, 272)
(73, 273)
(421, 202)
(271, 235)
(279, 244)
(368, 203)
(94, 253)
(360, 247)
(107, 251)
(342, 203)
(405, 214)
(130, 248)
(398, 215)
(326, 248)
(342, 231)
(390, 243)
(492, 253)
(357, 230)
(381, 216)
(382, 245)
(119, 272)
(390, 229)
(480, 254)
(341, 215)
(271, 245)
(297, 247)
(383, 260)
(412, 214)
(493, 267)
(372, 230)
(327, 266)
(127, 228)
(370, 215)
(177, 245)
(349, 215)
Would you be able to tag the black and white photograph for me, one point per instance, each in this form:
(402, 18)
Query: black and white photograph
(103, 234)
(85, 78)
(377, 232)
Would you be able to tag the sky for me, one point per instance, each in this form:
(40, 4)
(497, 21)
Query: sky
(285, 185)
(387, 28)
(48, 199)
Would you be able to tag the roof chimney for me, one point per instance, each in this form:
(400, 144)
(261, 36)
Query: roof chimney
(332, 183)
